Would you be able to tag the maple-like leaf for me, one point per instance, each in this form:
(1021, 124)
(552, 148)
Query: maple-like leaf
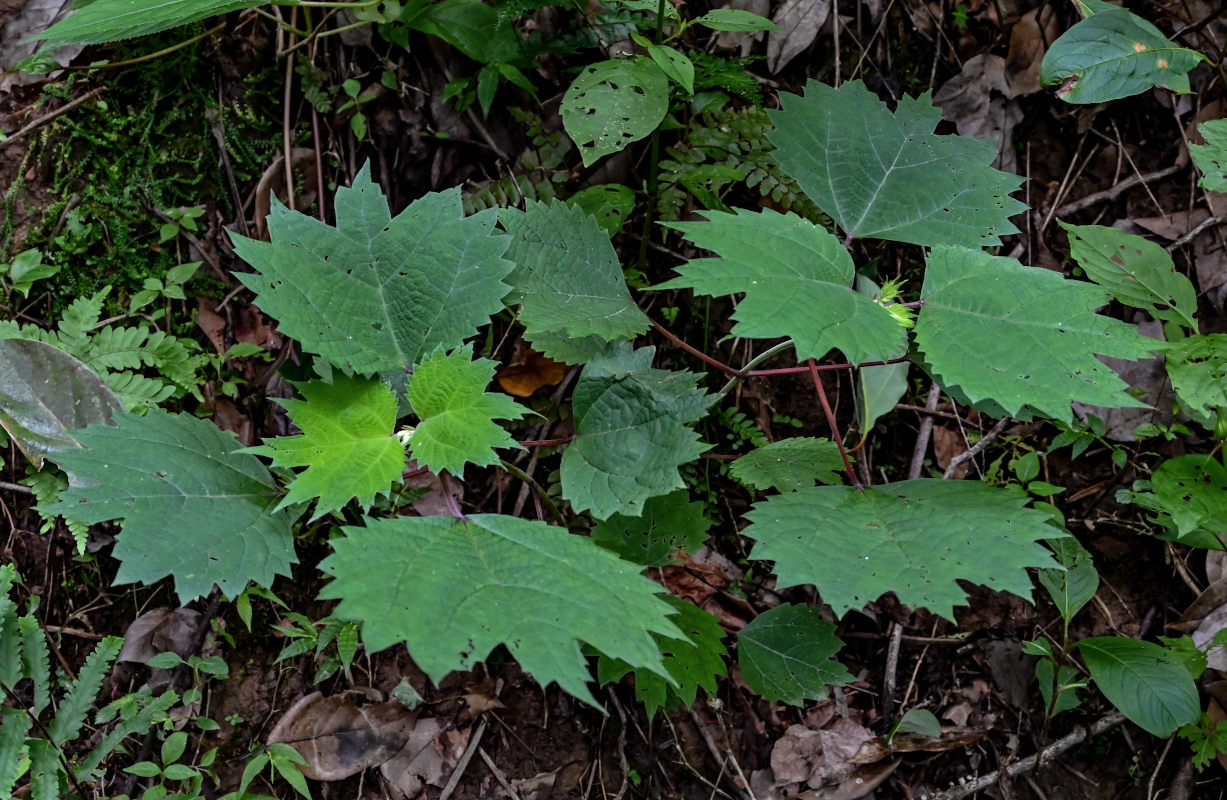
(192, 506)
(915, 538)
(453, 589)
(1021, 339)
(785, 655)
(448, 393)
(630, 432)
(797, 279)
(669, 524)
(790, 464)
(347, 444)
(889, 176)
(374, 293)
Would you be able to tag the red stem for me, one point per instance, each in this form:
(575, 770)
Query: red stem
(699, 354)
(839, 439)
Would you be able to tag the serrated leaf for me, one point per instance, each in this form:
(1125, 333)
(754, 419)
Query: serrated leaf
(1198, 369)
(1139, 678)
(1021, 337)
(1073, 587)
(610, 203)
(915, 538)
(669, 524)
(448, 393)
(1115, 54)
(785, 655)
(112, 20)
(377, 294)
(192, 507)
(1137, 272)
(630, 432)
(567, 280)
(888, 176)
(790, 464)
(452, 590)
(797, 279)
(1211, 157)
(347, 444)
(1191, 488)
(45, 394)
(15, 723)
(614, 103)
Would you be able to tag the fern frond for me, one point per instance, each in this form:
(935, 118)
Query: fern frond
(137, 391)
(10, 641)
(36, 661)
(46, 781)
(81, 692)
(46, 484)
(115, 348)
(173, 358)
(80, 318)
(14, 725)
(508, 192)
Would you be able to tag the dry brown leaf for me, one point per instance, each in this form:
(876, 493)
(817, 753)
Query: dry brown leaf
(433, 503)
(339, 738)
(947, 444)
(528, 374)
(159, 631)
(1209, 257)
(273, 180)
(818, 757)
(427, 758)
(538, 787)
(212, 323)
(958, 713)
(799, 21)
(1022, 63)
(977, 102)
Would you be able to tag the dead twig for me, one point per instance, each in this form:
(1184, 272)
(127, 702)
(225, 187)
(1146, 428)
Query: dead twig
(498, 774)
(925, 433)
(43, 120)
(474, 742)
(1113, 192)
(975, 449)
(1193, 234)
(746, 793)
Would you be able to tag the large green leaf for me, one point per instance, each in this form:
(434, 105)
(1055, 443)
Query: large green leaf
(915, 538)
(1154, 691)
(105, 21)
(567, 279)
(888, 176)
(1020, 337)
(613, 103)
(630, 432)
(45, 394)
(1192, 489)
(670, 524)
(481, 32)
(1073, 587)
(347, 444)
(785, 655)
(1198, 369)
(192, 507)
(377, 294)
(1211, 157)
(1115, 54)
(453, 589)
(790, 464)
(797, 279)
(1136, 271)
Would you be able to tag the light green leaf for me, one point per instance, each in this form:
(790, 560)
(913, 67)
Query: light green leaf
(1137, 272)
(448, 394)
(347, 443)
(452, 590)
(675, 65)
(79, 696)
(610, 203)
(1139, 678)
(1073, 587)
(790, 464)
(27, 269)
(613, 103)
(105, 21)
(785, 655)
(920, 721)
(1115, 54)
(479, 31)
(1211, 157)
(797, 281)
(878, 390)
(1198, 369)
(192, 507)
(376, 294)
(915, 538)
(1022, 338)
(1191, 488)
(630, 432)
(669, 524)
(888, 176)
(733, 19)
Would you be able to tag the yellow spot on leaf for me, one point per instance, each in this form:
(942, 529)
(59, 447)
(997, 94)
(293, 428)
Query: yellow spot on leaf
(1163, 63)
(1138, 47)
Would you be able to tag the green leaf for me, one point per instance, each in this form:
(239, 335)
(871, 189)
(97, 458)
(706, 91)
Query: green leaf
(567, 280)
(1154, 692)
(476, 29)
(79, 696)
(732, 19)
(1198, 369)
(1137, 272)
(105, 21)
(675, 65)
(610, 203)
(785, 655)
(797, 281)
(1191, 488)
(457, 428)
(377, 294)
(27, 269)
(45, 395)
(453, 589)
(888, 176)
(347, 444)
(613, 103)
(1211, 157)
(790, 464)
(669, 524)
(1073, 587)
(192, 507)
(914, 538)
(1115, 54)
(1022, 338)
(630, 432)
(14, 725)
(1065, 676)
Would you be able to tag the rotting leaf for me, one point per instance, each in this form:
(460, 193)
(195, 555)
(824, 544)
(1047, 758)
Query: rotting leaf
(339, 738)
(527, 374)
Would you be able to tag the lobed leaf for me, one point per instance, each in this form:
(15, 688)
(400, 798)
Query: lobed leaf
(790, 464)
(785, 655)
(1197, 366)
(1211, 157)
(670, 524)
(1191, 488)
(1139, 678)
(105, 21)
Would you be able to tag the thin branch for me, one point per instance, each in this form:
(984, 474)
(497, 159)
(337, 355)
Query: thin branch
(1113, 192)
(694, 351)
(924, 434)
(43, 120)
(1193, 234)
(976, 448)
(835, 434)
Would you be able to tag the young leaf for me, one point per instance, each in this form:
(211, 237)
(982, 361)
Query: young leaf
(669, 524)
(112, 20)
(790, 464)
(785, 655)
(630, 432)
(888, 176)
(347, 443)
(192, 507)
(797, 279)
(1198, 369)
(613, 103)
(453, 589)
(376, 294)
(567, 279)
(674, 64)
(1073, 587)
(1141, 680)
(1136, 271)
(1115, 54)
(915, 538)
(1020, 337)
(1211, 157)
(457, 428)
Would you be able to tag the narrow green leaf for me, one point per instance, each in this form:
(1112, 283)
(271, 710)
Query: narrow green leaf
(105, 21)
(785, 655)
(1139, 678)
(670, 524)
(10, 633)
(80, 695)
(138, 723)
(1073, 587)
(1064, 677)
(790, 464)
(1198, 369)
(1211, 157)
(675, 65)
(614, 103)
(733, 19)
(46, 777)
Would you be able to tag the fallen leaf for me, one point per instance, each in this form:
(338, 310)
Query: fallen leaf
(817, 757)
(155, 632)
(538, 787)
(433, 503)
(427, 758)
(528, 374)
(977, 102)
(1022, 63)
(339, 738)
(958, 713)
(947, 444)
(1208, 256)
(799, 21)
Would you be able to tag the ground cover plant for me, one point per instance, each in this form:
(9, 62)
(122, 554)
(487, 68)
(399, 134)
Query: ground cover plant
(876, 259)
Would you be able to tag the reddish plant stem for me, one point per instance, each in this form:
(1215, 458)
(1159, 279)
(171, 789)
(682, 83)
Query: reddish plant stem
(839, 439)
(546, 442)
(699, 354)
(763, 373)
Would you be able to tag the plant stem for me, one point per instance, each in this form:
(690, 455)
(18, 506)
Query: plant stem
(758, 359)
(694, 351)
(546, 500)
(835, 434)
(152, 56)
